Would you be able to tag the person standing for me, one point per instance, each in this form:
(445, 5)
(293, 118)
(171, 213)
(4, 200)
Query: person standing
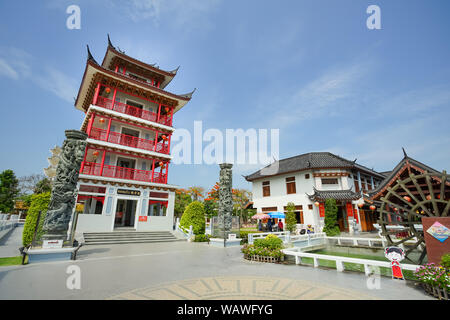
(269, 225)
(280, 225)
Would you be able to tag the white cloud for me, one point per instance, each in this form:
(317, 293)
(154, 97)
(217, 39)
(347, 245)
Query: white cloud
(18, 64)
(327, 95)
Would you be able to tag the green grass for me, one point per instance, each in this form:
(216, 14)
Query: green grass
(11, 261)
(354, 266)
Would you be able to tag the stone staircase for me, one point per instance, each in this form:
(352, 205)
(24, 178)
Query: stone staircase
(116, 237)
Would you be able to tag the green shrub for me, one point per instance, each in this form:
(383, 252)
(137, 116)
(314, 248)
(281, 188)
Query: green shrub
(291, 222)
(253, 250)
(201, 238)
(270, 242)
(331, 228)
(194, 215)
(39, 202)
(445, 261)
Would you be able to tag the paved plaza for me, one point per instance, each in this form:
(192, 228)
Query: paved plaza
(182, 270)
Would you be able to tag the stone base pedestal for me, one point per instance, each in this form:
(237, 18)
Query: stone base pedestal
(221, 243)
(44, 255)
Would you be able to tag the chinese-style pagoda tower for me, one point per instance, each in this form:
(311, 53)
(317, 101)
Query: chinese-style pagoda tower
(129, 114)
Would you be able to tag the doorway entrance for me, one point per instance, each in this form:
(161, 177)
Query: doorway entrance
(125, 213)
(342, 219)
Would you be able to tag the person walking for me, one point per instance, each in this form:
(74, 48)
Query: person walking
(280, 225)
(259, 225)
(269, 225)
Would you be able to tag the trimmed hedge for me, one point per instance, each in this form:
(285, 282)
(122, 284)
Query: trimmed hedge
(194, 215)
(201, 238)
(39, 202)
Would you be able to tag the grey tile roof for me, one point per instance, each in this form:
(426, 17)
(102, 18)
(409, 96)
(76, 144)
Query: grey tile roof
(322, 195)
(313, 160)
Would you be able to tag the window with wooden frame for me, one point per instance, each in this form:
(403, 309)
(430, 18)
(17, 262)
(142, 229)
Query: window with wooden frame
(290, 185)
(310, 207)
(266, 188)
(307, 176)
(330, 181)
(356, 186)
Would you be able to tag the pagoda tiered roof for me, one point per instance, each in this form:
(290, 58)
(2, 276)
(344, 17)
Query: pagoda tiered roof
(95, 73)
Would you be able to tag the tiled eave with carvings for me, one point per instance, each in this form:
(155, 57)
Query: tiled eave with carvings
(84, 178)
(124, 117)
(330, 174)
(95, 73)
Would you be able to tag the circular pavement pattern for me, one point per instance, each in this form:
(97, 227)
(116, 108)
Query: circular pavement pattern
(241, 288)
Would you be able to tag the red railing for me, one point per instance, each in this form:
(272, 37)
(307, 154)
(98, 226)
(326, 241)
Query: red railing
(129, 141)
(94, 169)
(133, 111)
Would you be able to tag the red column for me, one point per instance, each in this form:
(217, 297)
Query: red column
(167, 172)
(97, 90)
(103, 162)
(108, 130)
(168, 146)
(113, 99)
(153, 169)
(171, 117)
(90, 124)
(84, 159)
(159, 113)
(156, 140)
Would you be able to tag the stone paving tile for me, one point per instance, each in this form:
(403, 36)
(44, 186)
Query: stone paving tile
(241, 287)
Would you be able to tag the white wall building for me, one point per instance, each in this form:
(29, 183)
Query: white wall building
(307, 181)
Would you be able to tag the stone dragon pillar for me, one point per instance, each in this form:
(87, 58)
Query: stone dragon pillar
(64, 189)
(225, 200)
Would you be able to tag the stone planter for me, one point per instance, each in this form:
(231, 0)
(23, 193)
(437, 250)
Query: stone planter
(437, 292)
(263, 258)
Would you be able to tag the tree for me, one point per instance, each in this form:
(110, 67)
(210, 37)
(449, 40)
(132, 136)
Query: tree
(240, 199)
(27, 184)
(39, 202)
(9, 189)
(210, 208)
(331, 227)
(194, 216)
(43, 186)
(182, 200)
(291, 222)
(196, 193)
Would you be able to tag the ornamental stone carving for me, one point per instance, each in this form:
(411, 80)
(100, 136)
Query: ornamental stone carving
(64, 189)
(225, 200)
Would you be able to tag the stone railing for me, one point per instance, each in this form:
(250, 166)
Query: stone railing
(298, 254)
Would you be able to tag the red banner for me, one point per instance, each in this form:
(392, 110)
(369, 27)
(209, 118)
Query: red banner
(143, 218)
(322, 210)
(349, 209)
(355, 212)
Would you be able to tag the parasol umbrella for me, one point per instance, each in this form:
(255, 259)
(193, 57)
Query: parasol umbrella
(276, 214)
(261, 216)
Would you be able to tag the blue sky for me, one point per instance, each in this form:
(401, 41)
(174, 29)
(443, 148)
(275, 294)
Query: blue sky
(310, 68)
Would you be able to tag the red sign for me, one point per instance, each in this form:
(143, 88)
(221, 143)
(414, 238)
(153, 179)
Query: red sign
(349, 209)
(143, 218)
(322, 210)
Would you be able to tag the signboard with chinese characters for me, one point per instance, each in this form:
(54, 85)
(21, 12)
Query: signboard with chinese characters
(52, 244)
(129, 192)
(436, 234)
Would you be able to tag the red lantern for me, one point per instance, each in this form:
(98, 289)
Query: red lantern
(395, 209)
(438, 196)
(316, 203)
(95, 154)
(164, 137)
(407, 198)
(360, 205)
(167, 109)
(372, 207)
(107, 90)
(101, 120)
(428, 197)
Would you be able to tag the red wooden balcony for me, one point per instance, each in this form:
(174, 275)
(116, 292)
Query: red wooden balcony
(129, 141)
(95, 169)
(133, 111)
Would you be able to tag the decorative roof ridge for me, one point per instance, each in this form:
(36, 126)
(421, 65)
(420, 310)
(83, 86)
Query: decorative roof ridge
(184, 97)
(188, 95)
(90, 57)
